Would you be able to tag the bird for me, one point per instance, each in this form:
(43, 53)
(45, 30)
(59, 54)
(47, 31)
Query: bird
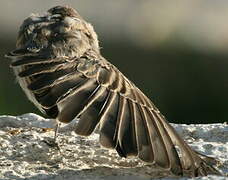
(58, 64)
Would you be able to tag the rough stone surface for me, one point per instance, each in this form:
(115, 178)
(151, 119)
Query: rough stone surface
(26, 152)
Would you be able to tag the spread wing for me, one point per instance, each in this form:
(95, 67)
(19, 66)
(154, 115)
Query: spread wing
(97, 93)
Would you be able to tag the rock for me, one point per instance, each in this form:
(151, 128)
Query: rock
(26, 152)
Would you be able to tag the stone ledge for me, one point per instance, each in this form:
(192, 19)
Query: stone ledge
(25, 153)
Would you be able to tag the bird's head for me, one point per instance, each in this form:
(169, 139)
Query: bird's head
(59, 32)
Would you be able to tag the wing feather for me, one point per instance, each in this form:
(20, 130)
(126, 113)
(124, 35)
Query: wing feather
(174, 160)
(89, 116)
(99, 95)
(49, 79)
(108, 121)
(70, 106)
(145, 150)
(40, 69)
(157, 143)
(61, 89)
(125, 137)
(25, 57)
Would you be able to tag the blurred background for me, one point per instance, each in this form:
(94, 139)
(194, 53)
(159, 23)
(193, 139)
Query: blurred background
(175, 51)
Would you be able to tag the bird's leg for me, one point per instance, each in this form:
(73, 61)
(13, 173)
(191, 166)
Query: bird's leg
(53, 142)
(57, 126)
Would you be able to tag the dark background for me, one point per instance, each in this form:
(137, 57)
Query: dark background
(176, 52)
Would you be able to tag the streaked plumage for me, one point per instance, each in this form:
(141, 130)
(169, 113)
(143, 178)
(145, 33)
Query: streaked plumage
(59, 66)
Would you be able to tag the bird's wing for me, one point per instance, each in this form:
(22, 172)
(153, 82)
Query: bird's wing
(98, 94)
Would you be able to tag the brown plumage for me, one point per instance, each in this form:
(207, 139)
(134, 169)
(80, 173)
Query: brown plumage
(59, 66)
